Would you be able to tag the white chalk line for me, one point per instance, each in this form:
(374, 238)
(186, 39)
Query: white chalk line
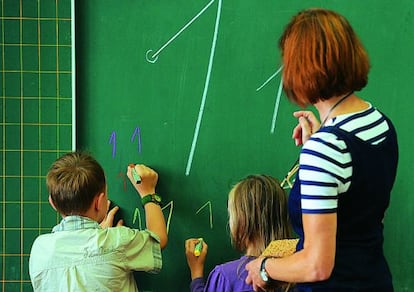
(206, 85)
(276, 109)
(154, 57)
(270, 78)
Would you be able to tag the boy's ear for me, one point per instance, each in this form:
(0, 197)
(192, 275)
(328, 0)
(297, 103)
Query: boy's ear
(51, 203)
(101, 202)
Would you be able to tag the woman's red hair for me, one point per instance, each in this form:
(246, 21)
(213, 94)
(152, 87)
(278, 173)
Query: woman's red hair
(322, 57)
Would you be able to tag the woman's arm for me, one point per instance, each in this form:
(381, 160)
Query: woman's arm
(313, 263)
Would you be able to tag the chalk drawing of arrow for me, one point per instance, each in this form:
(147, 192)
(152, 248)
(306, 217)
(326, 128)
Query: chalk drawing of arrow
(171, 205)
(208, 203)
(277, 101)
(137, 215)
(112, 140)
(153, 57)
(270, 78)
(276, 108)
(137, 134)
(206, 85)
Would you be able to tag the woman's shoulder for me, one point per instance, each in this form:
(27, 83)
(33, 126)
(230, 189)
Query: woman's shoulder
(370, 125)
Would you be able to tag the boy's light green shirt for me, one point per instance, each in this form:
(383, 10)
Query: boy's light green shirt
(81, 256)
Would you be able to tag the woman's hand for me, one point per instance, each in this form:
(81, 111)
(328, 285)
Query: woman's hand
(253, 278)
(195, 263)
(307, 125)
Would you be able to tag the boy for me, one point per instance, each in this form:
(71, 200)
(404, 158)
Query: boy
(84, 252)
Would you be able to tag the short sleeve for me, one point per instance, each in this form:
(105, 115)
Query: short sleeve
(325, 172)
(141, 248)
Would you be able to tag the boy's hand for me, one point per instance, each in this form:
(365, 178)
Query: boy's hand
(196, 264)
(149, 179)
(108, 221)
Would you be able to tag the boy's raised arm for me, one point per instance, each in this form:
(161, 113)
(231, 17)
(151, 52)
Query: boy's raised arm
(146, 189)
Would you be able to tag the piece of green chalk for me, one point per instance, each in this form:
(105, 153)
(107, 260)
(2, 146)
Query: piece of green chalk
(135, 175)
(198, 247)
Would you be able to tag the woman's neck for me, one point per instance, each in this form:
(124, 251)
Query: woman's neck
(340, 105)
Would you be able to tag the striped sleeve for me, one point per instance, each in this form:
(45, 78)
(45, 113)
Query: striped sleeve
(325, 171)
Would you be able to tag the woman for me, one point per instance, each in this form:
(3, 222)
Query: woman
(257, 208)
(347, 164)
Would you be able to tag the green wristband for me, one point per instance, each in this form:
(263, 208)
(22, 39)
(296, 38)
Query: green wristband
(151, 198)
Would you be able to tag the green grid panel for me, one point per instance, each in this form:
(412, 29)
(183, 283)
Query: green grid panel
(36, 124)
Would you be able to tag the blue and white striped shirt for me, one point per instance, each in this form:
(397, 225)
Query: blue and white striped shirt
(326, 164)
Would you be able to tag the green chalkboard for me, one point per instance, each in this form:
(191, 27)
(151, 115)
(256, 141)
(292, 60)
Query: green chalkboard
(35, 124)
(191, 89)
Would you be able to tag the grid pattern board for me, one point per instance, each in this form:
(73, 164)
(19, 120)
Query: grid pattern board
(36, 124)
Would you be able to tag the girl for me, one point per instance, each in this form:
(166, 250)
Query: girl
(257, 208)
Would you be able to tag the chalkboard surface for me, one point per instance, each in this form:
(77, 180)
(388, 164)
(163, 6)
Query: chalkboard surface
(35, 124)
(192, 89)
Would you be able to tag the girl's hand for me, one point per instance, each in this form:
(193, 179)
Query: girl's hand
(196, 264)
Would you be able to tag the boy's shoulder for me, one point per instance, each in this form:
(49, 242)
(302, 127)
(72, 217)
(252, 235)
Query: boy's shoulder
(89, 240)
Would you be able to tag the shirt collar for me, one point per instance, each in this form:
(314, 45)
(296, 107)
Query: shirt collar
(75, 223)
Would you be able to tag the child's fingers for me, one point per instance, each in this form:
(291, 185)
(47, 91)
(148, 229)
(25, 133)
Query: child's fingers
(190, 244)
(111, 214)
(146, 172)
(205, 247)
(109, 218)
(129, 172)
